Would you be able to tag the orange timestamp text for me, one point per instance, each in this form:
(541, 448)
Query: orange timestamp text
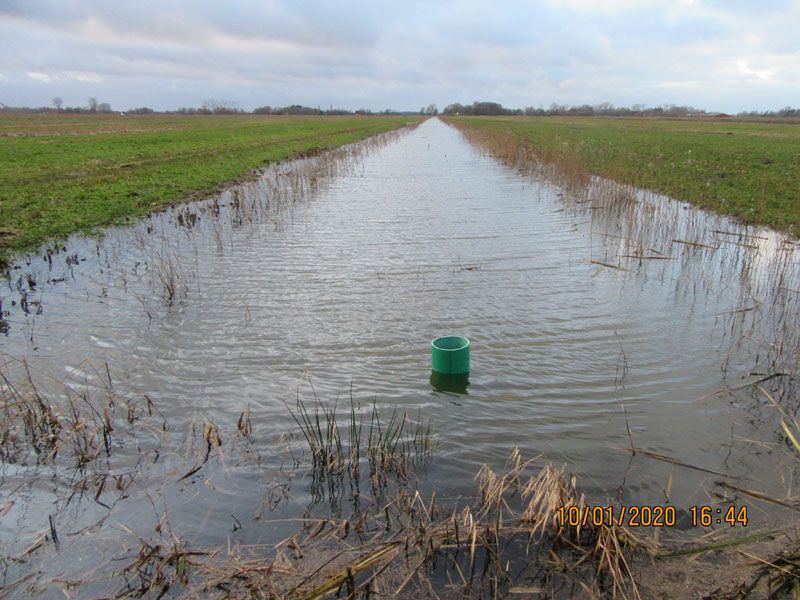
(650, 516)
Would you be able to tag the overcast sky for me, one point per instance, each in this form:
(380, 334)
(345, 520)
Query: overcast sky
(727, 55)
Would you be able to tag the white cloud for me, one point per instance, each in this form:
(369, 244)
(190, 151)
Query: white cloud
(745, 69)
(39, 76)
(85, 76)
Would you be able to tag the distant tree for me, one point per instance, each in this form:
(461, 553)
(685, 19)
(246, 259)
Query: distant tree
(262, 110)
(604, 108)
(142, 110)
(454, 109)
(92, 104)
(488, 108)
(296, 109)
(104, 107)
(584, 110)
(57, 103)
(219, 107)
(431, 110)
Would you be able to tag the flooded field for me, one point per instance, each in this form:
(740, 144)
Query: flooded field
(600, 322)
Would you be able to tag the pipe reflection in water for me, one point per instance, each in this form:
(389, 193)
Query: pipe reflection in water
(456, 384)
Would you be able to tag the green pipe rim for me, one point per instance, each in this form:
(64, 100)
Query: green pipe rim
(441, 343)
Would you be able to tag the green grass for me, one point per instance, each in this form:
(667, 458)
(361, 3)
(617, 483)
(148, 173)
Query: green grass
(62, 174)
(750, 170)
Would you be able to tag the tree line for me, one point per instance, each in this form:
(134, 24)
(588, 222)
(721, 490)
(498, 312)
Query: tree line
(604, 109)
(231, 108)
(228, 107)
(93, 105)
(207, 107)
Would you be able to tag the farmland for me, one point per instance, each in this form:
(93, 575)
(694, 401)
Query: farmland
(62, 174)
(749, 170)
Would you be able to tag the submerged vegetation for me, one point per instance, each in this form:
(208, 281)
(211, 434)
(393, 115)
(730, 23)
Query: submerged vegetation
(749, 170)
(61, 174)
(383, 534)
(637, 228)
(705, 255)
(372, 528)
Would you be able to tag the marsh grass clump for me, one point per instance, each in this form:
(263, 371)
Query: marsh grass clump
(747, 170)
(777, 577)
(554, 167)
(187, 162)
(705, 257)
(73, 427)
(165, 255)
(99, 453)
(379, 535)
(170, 279)
(161, 564)
(377, 450)
(510, 541)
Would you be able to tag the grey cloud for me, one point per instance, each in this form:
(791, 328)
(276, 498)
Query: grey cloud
(313, 23)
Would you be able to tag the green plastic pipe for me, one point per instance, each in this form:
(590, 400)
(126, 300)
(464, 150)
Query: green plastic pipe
(450, 355)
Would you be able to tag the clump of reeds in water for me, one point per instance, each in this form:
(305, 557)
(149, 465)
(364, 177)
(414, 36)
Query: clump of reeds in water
(92, 443)
(167, 242)
(97, 434)
(374, 450)
(554, 167)
(74, 427)
(705, 256)
(169, 276)
(394, 540)
(510, 540)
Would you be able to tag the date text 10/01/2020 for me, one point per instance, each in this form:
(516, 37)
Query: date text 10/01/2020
(650, 516)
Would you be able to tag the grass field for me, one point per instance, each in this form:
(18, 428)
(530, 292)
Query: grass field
(60, 174)
(750, 170)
